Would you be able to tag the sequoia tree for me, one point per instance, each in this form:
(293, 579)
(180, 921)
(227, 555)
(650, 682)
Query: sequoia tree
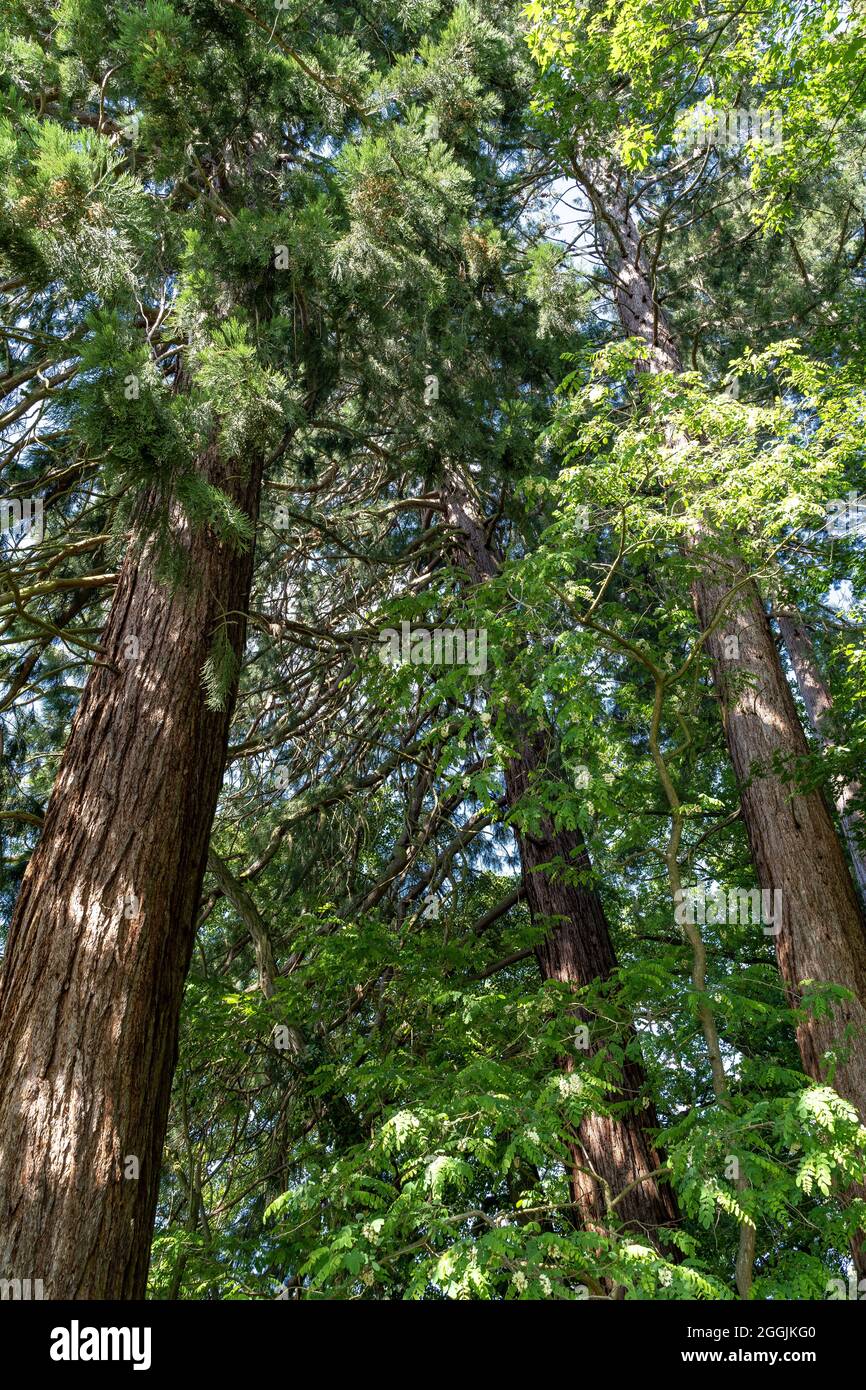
(165, 212)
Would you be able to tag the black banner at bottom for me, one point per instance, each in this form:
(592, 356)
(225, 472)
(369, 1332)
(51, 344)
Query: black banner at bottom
(88, 1340)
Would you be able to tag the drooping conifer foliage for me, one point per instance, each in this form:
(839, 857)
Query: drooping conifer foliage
(433, 699)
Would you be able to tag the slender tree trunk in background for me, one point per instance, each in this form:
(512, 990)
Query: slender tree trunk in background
(792, 837)
(103, 929)
(244, 905)
(819, 707)
(577, 950)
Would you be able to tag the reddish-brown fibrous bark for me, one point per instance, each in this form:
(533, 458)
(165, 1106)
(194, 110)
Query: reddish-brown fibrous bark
(103, 928)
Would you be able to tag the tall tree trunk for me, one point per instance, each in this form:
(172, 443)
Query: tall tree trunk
(792, 837)
(577, 950)
(103, 928)
(819, 708)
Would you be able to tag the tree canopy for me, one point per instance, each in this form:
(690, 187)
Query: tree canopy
(535, 331)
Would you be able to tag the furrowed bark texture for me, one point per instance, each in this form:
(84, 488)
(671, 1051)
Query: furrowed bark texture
(577, 950)
(792, 837)
(819, 707)
(103, 928)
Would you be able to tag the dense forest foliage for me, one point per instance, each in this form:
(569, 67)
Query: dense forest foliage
(432, 676)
